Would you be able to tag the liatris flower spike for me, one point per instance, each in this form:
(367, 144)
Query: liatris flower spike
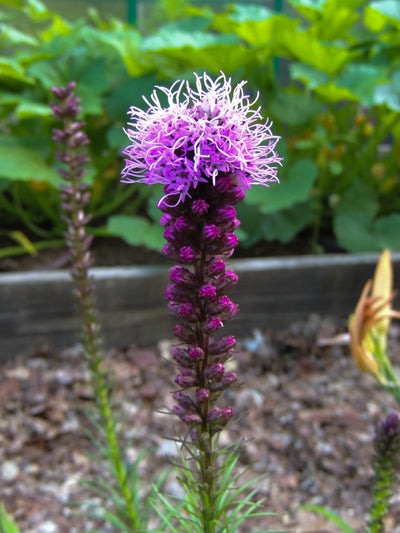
(75, 198)
(386, 462)
(206, 147)
(369, 325)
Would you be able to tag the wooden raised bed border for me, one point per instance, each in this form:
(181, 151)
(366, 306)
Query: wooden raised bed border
(38, 306)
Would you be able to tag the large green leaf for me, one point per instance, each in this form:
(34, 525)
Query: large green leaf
(361, 80)
(295, 189)
(22, 159)
(275, 29)
(358, 233)
(244, 12)
(389, 95)
(309, 75)
(302, 45)
(125, 42)
(294, 108)
(382, 12)
(12, 71)
(136, 231)
(357, 228)
(45, 72)
(310, 9)
(28, 109)
(12, 3)
(129, 93)
(166, 39)
(249, 231)
(12, 36)
(57, 27)
(172, 62)
(286, 224)
(358, 198)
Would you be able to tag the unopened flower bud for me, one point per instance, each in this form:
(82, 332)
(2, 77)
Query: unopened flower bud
(181, 275)
(185, 401)
(227, 280)
(184, 311)
(210, 233)
(188, 255)
(214, 372)
(184, 333)
(183, 225)
(208, 292)
(187, 378)
(203, 394)
(200, 207)
(192, 419)
(222, 345)
(220, 417)
(215, 267)
(212, 324)
(165, 220)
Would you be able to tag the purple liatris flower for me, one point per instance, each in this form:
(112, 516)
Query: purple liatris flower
(203, 134)
(206, 147)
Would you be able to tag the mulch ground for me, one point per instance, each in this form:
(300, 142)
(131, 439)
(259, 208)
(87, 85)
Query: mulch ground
(305, 411)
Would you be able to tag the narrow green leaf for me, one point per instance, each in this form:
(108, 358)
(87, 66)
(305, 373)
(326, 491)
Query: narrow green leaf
(7, 524)
(323, 511)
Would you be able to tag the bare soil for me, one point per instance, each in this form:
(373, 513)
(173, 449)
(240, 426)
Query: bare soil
(306, 413)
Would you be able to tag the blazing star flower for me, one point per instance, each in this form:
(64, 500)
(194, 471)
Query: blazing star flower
(203, 133)
(206, 148)
(370, 322)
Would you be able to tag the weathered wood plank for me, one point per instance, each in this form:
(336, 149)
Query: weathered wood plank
(271, 293)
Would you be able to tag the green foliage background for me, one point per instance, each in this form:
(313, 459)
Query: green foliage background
(328, 75)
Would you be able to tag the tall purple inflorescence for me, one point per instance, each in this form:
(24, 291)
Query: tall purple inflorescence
(206, 147)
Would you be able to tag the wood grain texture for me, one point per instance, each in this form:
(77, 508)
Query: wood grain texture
(38, 306)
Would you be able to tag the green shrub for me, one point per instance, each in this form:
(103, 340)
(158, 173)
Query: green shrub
(328, 74)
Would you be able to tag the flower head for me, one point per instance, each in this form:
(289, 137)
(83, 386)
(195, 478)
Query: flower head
(203, 134)
(370, 322)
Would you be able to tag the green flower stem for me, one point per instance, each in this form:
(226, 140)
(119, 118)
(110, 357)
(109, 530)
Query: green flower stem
(206, 441)
(94, 354)
(388, 378)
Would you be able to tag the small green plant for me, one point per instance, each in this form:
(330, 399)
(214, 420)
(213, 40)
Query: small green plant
(368, 328)
(7, 524)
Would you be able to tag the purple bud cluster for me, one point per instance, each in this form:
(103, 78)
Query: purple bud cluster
(387, 440)
(75, 197)
(74, 192)
(199, 237)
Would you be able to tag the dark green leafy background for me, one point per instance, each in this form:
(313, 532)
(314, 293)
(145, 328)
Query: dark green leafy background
(327, 73)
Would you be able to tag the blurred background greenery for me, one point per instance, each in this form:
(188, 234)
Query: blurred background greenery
(327, 72)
